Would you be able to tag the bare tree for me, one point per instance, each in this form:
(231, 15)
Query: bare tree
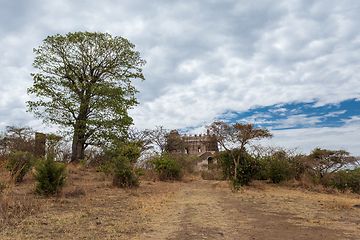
(19, 138)
(159, 137)
(143, 136)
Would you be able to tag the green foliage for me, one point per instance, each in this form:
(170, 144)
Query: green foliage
(167, 167)
(174, 143)
(280, 170)
(187, 162)
(236, 134)
(247, 169)
(347, 179)
(121, 164)
(236, 185)
(105, 168)
(83, 83)
(125, 175)
(280, 166)
(130, 150)
(50, 176)
(324, 162)
(19, 164)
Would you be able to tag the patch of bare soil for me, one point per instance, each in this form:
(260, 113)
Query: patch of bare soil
(90, 208)
(203, 210)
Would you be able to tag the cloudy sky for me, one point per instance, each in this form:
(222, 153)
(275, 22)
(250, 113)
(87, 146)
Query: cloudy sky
(291, 66)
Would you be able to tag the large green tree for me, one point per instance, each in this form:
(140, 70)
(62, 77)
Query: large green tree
(83, 84)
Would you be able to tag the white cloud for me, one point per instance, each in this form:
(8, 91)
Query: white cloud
(205, 58)
(307, 139)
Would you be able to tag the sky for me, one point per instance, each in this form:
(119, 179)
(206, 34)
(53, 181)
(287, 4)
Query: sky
(291, 66)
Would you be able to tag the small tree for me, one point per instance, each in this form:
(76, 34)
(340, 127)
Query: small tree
(236, 135)
(158, 137)
(325, 162)
(247, 169)
(50, 176)
(19, 139)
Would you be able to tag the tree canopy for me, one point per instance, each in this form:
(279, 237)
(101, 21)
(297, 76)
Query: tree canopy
(83, 84)
(325, 162)
(236, 135)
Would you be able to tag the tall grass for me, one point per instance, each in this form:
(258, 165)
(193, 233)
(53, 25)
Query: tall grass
(14, 208)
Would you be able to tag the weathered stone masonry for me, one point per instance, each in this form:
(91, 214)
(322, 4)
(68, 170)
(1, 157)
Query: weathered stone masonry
(204, 146)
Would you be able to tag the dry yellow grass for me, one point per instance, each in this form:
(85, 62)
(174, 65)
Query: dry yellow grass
(90, 207)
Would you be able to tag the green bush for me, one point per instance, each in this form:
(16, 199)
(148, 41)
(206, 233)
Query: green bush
(50, 176)
(19, 164)
(281, 166)
(125, 174)
(167, 167)
(278, 168)
(347, 179)
(247, 170)
(121, 164)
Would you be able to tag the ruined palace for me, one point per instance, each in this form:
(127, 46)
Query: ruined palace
(204, 146)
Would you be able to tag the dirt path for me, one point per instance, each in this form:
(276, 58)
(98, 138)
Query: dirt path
(203, 210)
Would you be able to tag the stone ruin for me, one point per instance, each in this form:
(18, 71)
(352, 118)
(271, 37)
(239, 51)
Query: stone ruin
(204, 146)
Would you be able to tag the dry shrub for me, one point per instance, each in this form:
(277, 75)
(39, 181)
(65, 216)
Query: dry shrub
(191, 177)
(338, 205)
(306, 183)
(75, 168)
(211, 174)
(149, 175)
(77, 192)
(3, 186)
(3, 159)
(259, 185)
(14, 208)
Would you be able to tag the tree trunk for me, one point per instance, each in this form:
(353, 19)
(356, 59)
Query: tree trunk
(78, 150)
(235, 172)
(78, 144)
(237, 161)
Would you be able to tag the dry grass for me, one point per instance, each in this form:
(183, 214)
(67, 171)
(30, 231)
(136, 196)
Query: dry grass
(14, 207)
(90, 206)
(339, 205)
(318, 206)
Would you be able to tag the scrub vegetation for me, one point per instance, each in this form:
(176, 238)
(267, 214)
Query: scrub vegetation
(102, 179)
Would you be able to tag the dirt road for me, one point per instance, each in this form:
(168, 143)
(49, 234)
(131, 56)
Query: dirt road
(204, 210)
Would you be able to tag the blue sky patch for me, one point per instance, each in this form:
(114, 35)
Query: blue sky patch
(298, 115)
